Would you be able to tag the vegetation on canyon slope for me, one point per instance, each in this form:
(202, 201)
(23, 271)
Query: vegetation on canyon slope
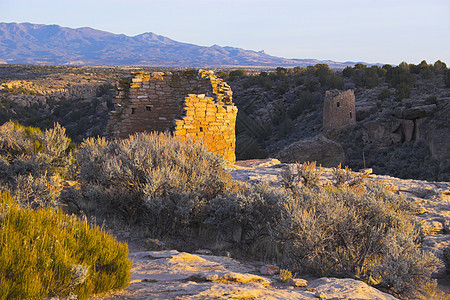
(169, 187)
(276, 108)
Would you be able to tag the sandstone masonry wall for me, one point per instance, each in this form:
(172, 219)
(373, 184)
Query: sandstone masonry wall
(338, 109)
(193, 105)
(212, 122)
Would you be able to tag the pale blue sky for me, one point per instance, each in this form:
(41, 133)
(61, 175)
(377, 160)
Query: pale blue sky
(385, 31)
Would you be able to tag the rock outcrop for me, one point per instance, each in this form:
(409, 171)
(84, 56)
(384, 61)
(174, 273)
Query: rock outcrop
(326, 152)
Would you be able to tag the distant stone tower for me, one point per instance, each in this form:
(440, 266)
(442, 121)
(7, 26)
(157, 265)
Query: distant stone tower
(338, 109)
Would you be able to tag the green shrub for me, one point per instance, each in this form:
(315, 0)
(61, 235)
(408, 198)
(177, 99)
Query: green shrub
(345, 177)
(104, 89)
(312, 84)
(447, 78)
(401, 74)
(306, 101)
(333, 81)
(155, 179)
(17, 140)
(44, 253)
(366, 77)
(326, 77)
(403, 91)
(348, 71)
(306, 174)
(384, 94)
(33, 163)
(282, 86)
(440, 66)
(233, 75)
(404, 267)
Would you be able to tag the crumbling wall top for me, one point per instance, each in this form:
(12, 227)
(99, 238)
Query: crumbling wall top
(220, 90)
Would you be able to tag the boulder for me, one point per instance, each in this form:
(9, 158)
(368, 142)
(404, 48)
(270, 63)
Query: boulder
(398, 112)
(203, 252)
(269, 270)
(334, 288)
(154, 244)
(407, 130)
(364, 112)
(297, 282)
(320, 149)
(418, 132)
(396, 138)
(378, 131)
(418, 111)
(440, 144)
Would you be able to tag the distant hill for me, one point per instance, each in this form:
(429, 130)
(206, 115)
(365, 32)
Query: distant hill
(25, 43)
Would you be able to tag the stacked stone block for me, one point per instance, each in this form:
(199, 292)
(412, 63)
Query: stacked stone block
(211, 122)
(193, 105)
(338, 109)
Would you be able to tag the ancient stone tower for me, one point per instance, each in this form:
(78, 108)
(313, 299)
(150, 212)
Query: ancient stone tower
(192, 104)
(338, 109)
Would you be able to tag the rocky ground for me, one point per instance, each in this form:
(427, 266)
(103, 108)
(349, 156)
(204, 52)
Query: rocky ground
(169, 274)
(179, 275)
(432, 199)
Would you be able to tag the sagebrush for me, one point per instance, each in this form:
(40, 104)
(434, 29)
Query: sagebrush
(351, 228)
(33, 163)
(155, 179)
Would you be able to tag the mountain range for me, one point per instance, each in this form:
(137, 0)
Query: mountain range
(25, 43)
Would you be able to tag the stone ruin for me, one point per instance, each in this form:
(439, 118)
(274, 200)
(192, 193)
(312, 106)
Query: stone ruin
(194, 105)
(338, 109)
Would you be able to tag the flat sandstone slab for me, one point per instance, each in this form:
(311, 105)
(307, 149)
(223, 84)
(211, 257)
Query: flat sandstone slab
(180, 275)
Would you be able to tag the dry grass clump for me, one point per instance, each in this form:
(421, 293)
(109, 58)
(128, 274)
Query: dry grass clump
(285, 275)
(44, 253)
